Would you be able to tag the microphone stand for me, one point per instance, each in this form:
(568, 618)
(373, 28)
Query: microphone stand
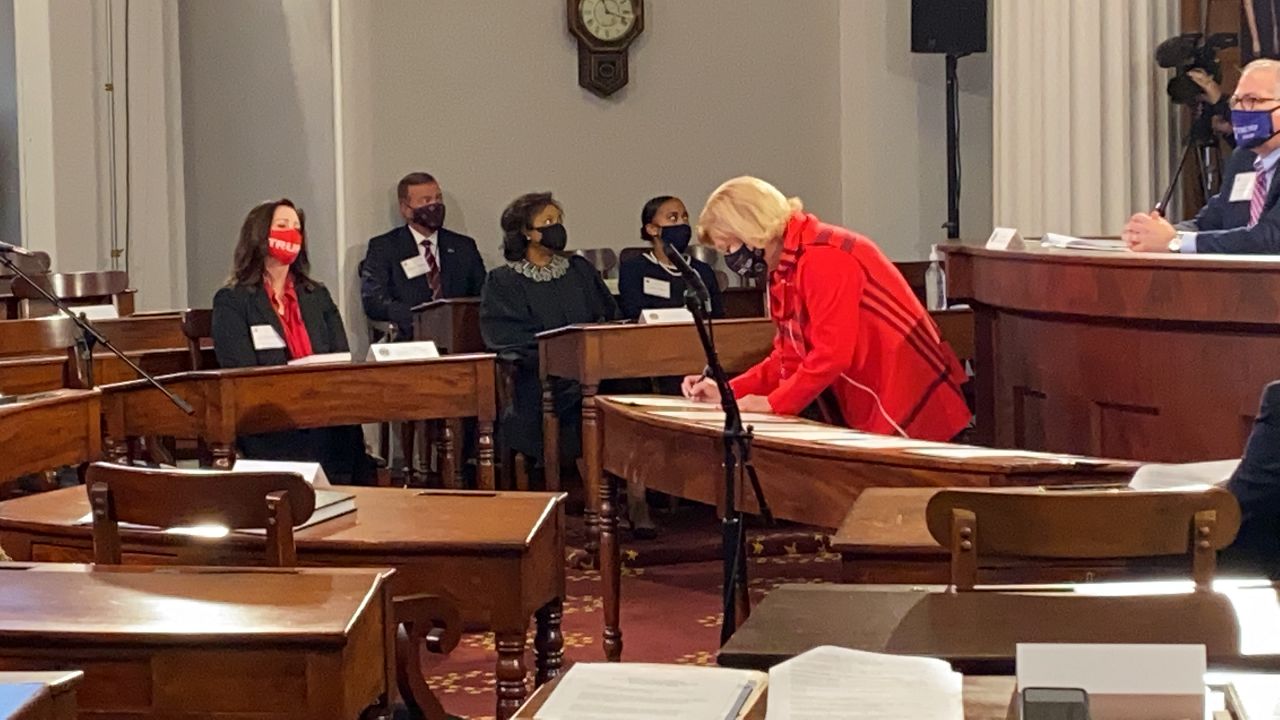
(90, 337)
(737, 459)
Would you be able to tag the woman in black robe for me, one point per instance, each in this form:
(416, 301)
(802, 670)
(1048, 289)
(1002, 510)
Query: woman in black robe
(539, 289)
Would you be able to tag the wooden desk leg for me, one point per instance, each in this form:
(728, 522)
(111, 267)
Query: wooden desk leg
(224, 455)
(459, 433)
(610, 570)
(408, 431)
(510, 671)
(484, 456)
(449, 474)
(594, 513)
(548, 641)
(550, 437)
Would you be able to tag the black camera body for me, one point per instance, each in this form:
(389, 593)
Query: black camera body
(1192, 51)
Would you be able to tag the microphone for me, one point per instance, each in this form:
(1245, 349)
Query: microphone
(690, 276)
(16, 250)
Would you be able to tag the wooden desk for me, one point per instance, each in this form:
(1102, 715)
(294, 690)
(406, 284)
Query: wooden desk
(205, 642)
(452, 324)
(591, 354)
(804, 481)
(266, 399)
(500, 556)
(39, 695)
(1153, 357)
(51, 430)
(977, 632)
(884, 540)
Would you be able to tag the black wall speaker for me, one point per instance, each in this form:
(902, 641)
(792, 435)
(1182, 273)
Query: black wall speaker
(953, 27)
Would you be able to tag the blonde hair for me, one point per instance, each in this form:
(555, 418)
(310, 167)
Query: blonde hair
(747, 209)
(1265, 64)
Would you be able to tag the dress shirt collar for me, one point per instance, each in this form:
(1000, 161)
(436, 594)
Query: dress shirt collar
(419, 237)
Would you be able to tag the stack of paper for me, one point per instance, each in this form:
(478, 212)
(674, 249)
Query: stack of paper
(830, 683)
(1169, 477)
(611, 691)
(1054, 240)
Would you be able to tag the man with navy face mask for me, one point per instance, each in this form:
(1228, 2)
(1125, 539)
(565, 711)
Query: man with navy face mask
(1244, 217)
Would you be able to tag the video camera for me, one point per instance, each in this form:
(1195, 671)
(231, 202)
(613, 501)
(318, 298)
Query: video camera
(1191, 51)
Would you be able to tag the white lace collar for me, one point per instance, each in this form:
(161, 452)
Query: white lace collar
(552, 271)
(670, 270)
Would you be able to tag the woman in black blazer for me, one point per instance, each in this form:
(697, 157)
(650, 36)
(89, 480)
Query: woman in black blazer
(271, 311)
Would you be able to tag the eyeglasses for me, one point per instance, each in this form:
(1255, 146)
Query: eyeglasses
(1248, 102)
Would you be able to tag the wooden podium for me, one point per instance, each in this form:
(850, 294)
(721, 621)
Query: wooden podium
(453, 324)
(1141, 356)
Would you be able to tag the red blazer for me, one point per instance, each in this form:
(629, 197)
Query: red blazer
(842, 309)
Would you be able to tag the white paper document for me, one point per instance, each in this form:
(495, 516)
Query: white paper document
(616, 691)
(312, 472)
(717, 415)
(965, 452)
(1054, 240)
(882, 442)
(1156, 476)
(830, 683)
(323, 359)
(812, 433)
(662, 402)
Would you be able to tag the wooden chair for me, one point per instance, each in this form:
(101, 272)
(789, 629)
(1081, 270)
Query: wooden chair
(603, 259)
(197, 326)
(100, 287)
(1082, 524)
(276, 503)
(31, 265)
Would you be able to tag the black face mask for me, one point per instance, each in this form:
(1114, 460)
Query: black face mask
(430, 216)
(677, 237)
(745, 261)
(554, 237)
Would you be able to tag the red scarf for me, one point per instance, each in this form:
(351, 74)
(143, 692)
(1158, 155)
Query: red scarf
(290, 314)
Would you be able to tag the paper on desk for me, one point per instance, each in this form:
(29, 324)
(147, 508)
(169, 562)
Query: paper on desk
(718, 415)
(323, 359)
(667, 402)
(312, 472)
(1156, 476)
(965, 452)
(882, 442)
(809, 432)
(611, 691)
(829, 683)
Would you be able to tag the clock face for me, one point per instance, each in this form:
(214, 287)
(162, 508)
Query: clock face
(607, 20)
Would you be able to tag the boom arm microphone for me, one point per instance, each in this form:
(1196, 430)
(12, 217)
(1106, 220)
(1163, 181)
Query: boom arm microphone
(690, 276)
(16, 250)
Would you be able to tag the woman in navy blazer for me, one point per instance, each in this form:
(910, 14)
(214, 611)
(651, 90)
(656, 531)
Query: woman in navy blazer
(272, 311)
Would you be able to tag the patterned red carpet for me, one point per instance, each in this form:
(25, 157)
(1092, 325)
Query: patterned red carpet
(670, 603)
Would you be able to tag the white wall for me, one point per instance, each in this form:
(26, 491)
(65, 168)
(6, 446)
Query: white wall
(893, 133)
(257, 114)
(484, 94)
(10, 196)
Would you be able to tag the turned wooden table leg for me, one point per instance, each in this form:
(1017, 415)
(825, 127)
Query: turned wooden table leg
(550, 437)
(593, 514)
(449, 475)
(548, 641)
(484, 456)
(610, 570)
(510, 671)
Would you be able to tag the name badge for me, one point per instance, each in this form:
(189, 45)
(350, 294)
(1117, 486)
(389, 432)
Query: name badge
(1242, 188)
(413, 267)
(265, 337)
(657, 288)
(388, 352)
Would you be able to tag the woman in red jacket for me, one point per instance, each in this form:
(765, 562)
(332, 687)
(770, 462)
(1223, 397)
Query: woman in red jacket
(846, 321)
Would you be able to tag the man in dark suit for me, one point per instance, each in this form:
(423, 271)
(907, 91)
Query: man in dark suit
(1244, 217)
(420, 261)
(1256, 485)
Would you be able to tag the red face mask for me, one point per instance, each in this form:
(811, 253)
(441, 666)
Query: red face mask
(284, 244)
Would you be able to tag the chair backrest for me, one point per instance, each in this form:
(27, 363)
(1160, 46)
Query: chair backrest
(633, 252)
(275, 502)
(604, 260)
(98, 287)
(197, 326)
(1082, 524)
(39, 336)
(36, 264)
(915, 274)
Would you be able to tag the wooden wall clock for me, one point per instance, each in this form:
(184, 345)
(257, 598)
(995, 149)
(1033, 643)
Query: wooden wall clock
(605, 30)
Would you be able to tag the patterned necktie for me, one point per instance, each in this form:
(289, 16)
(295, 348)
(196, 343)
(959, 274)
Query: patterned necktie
(433, 270)
(1259, 193)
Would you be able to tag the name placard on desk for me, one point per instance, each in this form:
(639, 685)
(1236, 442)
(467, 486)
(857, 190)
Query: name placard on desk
(388, 352)
(665, 316)
(1004, 239)
(1123, 682)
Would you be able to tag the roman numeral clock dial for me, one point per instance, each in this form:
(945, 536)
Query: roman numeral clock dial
(605, 30)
